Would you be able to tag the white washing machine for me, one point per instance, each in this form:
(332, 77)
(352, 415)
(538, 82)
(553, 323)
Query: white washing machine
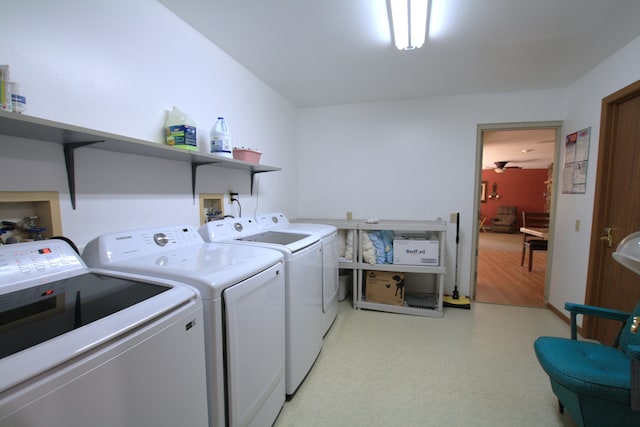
(242, 290)
(303, 287)
(81, 347)
(328, 235)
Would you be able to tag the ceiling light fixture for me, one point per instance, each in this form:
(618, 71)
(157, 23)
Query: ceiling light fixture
(409, 22)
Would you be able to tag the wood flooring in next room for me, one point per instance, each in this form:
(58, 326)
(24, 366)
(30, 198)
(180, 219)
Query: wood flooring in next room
(501, 279)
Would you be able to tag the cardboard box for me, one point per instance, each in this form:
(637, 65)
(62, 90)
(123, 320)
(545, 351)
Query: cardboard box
(416, 252)
(386, 287)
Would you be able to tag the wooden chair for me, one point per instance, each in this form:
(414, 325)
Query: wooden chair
(533, 220)
(481, 222)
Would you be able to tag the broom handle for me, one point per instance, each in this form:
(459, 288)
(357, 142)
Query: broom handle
(455, 280)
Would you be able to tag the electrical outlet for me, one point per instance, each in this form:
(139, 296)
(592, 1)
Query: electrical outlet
(232, 196)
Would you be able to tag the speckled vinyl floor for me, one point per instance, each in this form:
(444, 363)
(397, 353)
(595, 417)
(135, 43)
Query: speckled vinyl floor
(470, 368)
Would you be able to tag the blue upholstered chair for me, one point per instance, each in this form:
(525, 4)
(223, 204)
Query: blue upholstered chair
(598, 384)
(591, 380)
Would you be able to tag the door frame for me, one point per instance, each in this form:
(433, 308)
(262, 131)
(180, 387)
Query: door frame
(555, 124)
(595, 282)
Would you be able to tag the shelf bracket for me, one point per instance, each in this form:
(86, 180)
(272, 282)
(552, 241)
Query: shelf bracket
(194, 173)
(69, 161)
(253, 173)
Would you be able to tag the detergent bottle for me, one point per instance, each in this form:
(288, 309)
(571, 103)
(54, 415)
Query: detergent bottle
(180, 130)
(220, 138)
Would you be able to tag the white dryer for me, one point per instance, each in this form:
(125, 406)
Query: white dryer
(242, 290)
(303, 287)
(328, 235)
(81, 347)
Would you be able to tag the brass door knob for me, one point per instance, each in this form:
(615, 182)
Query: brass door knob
(608, 236)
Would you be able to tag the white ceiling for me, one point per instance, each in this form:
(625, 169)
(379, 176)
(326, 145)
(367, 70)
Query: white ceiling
(332, 52)
(528, 149)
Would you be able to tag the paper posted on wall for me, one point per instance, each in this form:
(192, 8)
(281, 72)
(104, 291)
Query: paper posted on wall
(576, 162)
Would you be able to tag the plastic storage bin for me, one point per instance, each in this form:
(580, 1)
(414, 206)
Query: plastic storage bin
(247, 155)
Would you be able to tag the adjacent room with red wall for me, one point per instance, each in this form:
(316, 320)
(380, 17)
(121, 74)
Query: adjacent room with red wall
(524, 188)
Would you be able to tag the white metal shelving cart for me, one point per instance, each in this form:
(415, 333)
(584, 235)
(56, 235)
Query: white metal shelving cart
(432, 276)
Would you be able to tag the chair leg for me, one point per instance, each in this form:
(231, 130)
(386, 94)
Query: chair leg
(530, 258)
(524, 248)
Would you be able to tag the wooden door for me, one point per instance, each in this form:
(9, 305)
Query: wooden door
(616, 206)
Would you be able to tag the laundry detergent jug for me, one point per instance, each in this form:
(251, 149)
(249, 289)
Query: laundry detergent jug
(180, 130)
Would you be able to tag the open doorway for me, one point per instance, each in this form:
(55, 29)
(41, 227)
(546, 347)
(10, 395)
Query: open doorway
(515, 175)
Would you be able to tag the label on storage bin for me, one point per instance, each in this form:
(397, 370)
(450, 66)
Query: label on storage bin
(182, 136)
(416, 252)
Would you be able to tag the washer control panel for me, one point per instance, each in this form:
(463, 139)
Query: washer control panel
(229, 229)
(34, 261)
(124, 245)
(271, 220)
(161, 239)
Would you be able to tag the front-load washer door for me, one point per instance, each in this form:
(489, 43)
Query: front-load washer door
(255, 348)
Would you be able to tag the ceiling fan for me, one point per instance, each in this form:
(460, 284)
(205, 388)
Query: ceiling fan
(502, 166)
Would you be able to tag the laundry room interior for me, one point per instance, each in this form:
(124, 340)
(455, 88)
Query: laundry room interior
(357, 164)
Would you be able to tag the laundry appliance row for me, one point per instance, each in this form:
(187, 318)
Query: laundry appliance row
(309, 314)
(262, 292)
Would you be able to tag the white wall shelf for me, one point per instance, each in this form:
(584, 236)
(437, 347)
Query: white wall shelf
(73, 137)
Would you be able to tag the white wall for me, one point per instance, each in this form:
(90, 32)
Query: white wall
(416, 159)
(571, 248)
(117, 66)
(407, 160)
